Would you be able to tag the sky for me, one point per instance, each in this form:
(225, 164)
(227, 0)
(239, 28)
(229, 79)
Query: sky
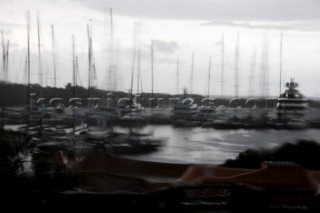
(182, 42)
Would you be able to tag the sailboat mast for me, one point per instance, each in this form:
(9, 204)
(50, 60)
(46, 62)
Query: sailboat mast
(4, 60)
(280, 64)
(139, 62)
(252, 73)
(191, 75)
(73, 86)
(89, 60)
(264, 89)
(152, 69)
(54, 62)
(178, 75)
(112, 65)
(73, 68)
(5, 56)
(7, 61)
(133, 61)
(77, 74)
(28, 69)
(209, 77)
(222, 64)
(39, 54)
(267, 68)
(236, 70)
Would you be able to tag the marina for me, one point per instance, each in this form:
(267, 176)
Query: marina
(147, 107)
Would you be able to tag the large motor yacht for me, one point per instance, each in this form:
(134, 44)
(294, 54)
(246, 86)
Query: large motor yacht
(292, 107)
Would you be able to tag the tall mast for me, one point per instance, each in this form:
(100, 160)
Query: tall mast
(110, 69)
(152, 69)
(222, 64)
(191, 75)
(133, 61)
(112, 65)
(280, 64)
(209, 76)
(39, 54)
(7, 61)
(5, 55)
(236, 69)
(28, 69)
(139, 61)
(89, 59)
(264, 89)
(73, 69)
(73, 84)
(267, 68)
(178, 75)
(54, 62)
(252, 73)
(77, 74)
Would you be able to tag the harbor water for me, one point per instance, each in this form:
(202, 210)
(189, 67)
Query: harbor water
(215, 146)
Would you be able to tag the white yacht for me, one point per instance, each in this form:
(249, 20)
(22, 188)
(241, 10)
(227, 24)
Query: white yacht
(292, 107)
(185, 108)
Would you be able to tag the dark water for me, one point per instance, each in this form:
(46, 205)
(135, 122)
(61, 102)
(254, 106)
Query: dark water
(208, 145)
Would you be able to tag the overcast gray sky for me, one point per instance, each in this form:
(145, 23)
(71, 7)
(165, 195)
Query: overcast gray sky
(178, 29)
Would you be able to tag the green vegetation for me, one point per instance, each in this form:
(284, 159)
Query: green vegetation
(303, 152)
(13, 147)
(16, 150)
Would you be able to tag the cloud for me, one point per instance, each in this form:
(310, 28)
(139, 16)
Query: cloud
(8, 26)
(293, 25)
(166, 47)
(239, 10)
